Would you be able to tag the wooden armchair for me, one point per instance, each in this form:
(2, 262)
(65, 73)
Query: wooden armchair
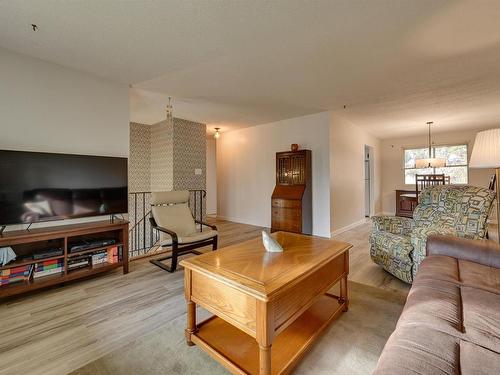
(172, 217)
(423, 181)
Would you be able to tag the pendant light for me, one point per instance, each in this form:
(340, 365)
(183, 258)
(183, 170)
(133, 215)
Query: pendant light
(217, 133)
(170, 109)
(430, 162)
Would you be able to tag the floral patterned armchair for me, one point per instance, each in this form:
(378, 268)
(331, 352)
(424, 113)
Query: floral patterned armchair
(398, 243)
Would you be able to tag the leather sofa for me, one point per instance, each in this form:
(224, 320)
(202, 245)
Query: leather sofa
(451, 321)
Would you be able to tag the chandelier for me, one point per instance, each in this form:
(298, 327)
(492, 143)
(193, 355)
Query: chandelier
(430, 162)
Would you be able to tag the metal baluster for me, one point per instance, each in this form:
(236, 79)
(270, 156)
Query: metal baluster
(135, 220)
(144, 220)
(200, 214)
(195, 211)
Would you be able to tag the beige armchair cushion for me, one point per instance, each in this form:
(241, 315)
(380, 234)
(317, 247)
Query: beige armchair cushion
(176, 217)
(206, 234)
(169, 197)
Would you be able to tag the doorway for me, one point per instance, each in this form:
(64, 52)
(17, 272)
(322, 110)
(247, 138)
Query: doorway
(368, 180)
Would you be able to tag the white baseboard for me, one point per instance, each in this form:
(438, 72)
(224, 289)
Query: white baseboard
(350, 226)
(241, 221)
(385, 214)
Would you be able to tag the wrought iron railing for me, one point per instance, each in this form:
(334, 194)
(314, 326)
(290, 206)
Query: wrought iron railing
(143, 238)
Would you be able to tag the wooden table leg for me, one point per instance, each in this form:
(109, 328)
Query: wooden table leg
(265, 360)
(265, 336)
(191, 309)
(343, 293)
(191, 322)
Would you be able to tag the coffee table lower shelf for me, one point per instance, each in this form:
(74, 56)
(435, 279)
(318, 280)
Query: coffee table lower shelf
(239, 352)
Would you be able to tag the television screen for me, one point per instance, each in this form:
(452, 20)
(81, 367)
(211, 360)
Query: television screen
(36, 186)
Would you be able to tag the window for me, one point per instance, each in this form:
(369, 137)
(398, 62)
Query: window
(456, 163)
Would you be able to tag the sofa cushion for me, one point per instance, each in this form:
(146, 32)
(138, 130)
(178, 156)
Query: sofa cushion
(420, 350)
(393, 252)
(481, 317)
(435, 304)
(479, 276)
(477, 360)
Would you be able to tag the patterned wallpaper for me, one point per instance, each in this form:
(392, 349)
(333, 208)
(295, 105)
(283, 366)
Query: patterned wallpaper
(190, 146)
(162, 169)
(140, 157)
(139, 175)
(164, 156)
(189, 154)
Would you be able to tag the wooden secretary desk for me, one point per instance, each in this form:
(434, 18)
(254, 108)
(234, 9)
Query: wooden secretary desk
(291, 202)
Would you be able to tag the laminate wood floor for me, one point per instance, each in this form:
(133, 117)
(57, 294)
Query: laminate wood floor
(58, 330)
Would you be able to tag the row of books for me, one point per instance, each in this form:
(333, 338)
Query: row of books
(48, 267)
(111, 255)
(55, 266)
(23, 273)
(79, 261)
(16, 274)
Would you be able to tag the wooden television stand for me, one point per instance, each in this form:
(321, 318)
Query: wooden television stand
(25, 243)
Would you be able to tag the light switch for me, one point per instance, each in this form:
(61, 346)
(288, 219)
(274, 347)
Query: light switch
(197, 171)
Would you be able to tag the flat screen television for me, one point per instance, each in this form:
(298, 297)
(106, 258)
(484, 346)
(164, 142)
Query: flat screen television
(36, 186)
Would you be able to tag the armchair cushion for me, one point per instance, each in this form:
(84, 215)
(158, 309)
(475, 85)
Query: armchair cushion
(169, 197)
(393, 252)
(206, 234)
(393, 224)
(177, 218)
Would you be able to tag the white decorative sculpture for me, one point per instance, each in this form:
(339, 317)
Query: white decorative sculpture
(270, 243)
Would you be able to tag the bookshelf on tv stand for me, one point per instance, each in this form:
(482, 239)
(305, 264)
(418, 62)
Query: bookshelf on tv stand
(33, 239)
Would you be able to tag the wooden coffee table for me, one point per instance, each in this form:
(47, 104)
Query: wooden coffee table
(269, 307)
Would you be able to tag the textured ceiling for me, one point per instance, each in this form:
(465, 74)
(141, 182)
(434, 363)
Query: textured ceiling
(395, 64)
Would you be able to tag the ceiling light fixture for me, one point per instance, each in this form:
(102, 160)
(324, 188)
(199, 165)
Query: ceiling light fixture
(217, 133)
(170, 109)
(430, 162)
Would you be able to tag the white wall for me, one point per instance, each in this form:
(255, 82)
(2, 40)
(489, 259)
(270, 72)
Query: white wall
(211, 182)
(246, 169)
(46, 107)
(347, 173)
(392, 161)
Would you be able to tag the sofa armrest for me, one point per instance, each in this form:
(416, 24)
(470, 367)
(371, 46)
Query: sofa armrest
(478, 251)
(393, 224)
